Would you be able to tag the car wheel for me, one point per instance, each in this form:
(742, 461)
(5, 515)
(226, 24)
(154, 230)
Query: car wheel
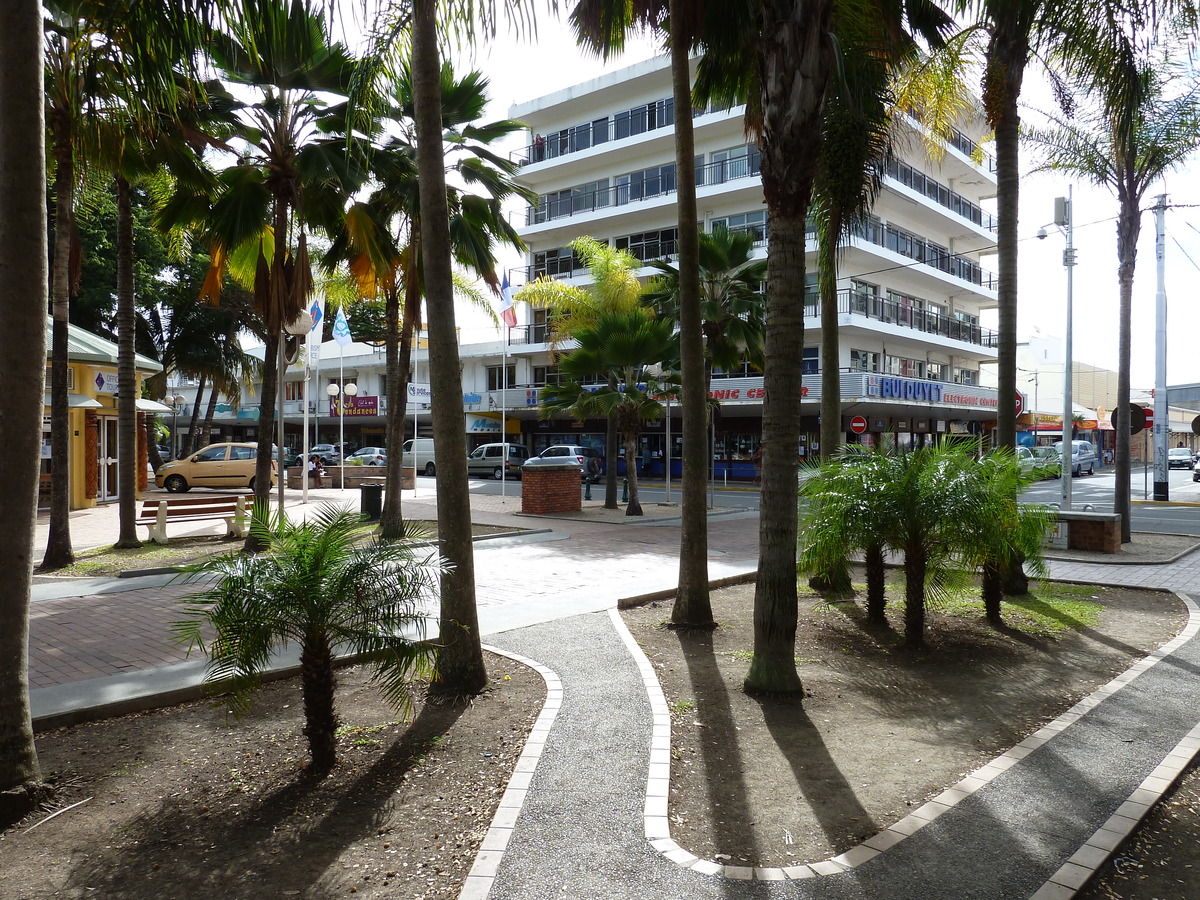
(498, 473)
(251, 484)
(1091, 469)
(430, 469)
(176, 484)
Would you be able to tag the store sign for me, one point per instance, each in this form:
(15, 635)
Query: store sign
(904, 389)
(343, 405)
(106, 382)
(419, 394)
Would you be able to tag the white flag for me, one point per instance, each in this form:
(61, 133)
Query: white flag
(341, 328)
(317, 311)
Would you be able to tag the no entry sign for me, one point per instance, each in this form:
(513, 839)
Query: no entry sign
(858, 424)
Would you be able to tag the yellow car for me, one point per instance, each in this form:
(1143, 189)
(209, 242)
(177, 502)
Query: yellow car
(217, 465)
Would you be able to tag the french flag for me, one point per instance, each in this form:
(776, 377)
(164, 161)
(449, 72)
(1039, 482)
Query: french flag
(508, 315)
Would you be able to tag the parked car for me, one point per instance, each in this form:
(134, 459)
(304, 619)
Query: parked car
(418, 454)
(1083, 456)
(591, 463)
(1196, 472)
(1049, 461)
(368, 456)
(1179, 457)
(327, 453)
(291, 458)
(217, 465)
(496, 460)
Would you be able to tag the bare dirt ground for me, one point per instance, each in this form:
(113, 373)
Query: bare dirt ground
(767, 781)
(187, 803)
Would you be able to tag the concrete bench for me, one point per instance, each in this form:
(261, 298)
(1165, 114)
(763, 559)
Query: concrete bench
(233, 508)
(1088, 530)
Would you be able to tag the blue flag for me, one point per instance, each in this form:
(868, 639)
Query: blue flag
(341, 328)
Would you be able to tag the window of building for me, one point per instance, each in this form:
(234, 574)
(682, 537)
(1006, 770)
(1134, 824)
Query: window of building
(543, 375)
(752, 223)
(589, 196)
(559, 261)
(864, 361)
(650, 245)
(809, 361)
(733, 162)
(936, 371)
(645, 183)
(966, 376)
(904, 367)
(494, 375)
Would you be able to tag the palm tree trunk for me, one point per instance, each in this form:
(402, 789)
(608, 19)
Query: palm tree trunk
(22, 367)
(194, 425)
(612, 445)
(319, 683)
(914, 599)
(692, 606)
(400, 340)
(210, 410)
(1007, 57)
(1128, 228)
(795, 58)
(460, 667)
(993, 593)
(127, 457)
(831, 385)
(629, 439)
(266, 428)
(876, 580)
(59, 552)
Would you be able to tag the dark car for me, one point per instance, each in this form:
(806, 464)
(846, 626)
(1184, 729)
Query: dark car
(591, 463)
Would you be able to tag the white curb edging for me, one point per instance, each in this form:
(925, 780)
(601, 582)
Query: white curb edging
(1069, 878)
(478, 883)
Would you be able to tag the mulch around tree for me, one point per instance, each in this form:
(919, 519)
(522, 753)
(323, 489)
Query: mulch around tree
(186, 802)
(768, 781)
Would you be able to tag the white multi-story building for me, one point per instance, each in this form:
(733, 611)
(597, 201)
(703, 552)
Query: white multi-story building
(911, 287)
(601, 158)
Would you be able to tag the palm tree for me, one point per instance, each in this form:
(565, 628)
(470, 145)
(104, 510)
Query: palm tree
(844, 510)
(1001, 529)
(604, 25)
(615, 287)
(381, 233)
(323, 591)
(731, 300)
(288, 178)
(616, 348)
(23, 273)
(1126, 145)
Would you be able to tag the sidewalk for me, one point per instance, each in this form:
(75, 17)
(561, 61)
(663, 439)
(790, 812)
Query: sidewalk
(585, 813)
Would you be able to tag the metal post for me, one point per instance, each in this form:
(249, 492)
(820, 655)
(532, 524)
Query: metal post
(1065, 216)
(279, 449)
(667, 454)
(1162, 427)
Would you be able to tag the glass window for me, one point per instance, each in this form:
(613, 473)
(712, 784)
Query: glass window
(494, 376)
(213, 454)
(864, 361)
(809, 363)
(243, 452)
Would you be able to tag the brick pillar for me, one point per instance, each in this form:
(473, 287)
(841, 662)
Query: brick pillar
(551, 489)
(91, 454)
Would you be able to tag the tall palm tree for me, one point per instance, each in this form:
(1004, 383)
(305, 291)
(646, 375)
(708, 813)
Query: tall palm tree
(381, 234)
(23, 272)
(1136, 130)
(615, 287)
(604, 25)
(322, 590)
(616, 347)
(731, 301)
(289, 177)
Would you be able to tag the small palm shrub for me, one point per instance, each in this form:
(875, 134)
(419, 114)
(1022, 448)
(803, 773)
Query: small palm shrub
(322, 590)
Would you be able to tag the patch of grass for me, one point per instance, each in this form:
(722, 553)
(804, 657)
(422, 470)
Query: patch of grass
(679, 707)
(1052, 609)
(743, 655)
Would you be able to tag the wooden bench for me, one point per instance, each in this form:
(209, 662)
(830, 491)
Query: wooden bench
(233, 508)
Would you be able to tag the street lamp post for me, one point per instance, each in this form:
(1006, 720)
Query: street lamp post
(1064, 221)
(177, 402)
(351, 391)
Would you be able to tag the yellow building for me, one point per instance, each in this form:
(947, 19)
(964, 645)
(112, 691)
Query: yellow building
(94, 450)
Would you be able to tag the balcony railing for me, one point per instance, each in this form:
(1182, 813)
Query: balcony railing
(940, 194)
(647, 117)
(580, 202)
(897, 312)
(918, 248)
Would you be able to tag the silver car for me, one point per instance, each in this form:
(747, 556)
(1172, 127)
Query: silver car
(491, 459)
(590, 461)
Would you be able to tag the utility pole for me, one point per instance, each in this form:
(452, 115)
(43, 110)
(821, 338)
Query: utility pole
(1162, 427)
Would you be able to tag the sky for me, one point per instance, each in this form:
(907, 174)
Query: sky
(521, 71)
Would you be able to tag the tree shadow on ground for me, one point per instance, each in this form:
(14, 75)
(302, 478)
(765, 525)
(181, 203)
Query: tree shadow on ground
(288, 840)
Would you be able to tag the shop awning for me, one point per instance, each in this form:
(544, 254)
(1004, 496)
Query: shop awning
(77, 401)
(151, 405)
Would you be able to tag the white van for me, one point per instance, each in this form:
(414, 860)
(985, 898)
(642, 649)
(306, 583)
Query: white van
(418, 454)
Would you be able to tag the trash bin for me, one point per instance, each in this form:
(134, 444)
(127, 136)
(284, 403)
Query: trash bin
(370, 500)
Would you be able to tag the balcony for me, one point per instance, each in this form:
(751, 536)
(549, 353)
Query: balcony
(924, 251)
(906, 315)
(940, 194)
(581, 202)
